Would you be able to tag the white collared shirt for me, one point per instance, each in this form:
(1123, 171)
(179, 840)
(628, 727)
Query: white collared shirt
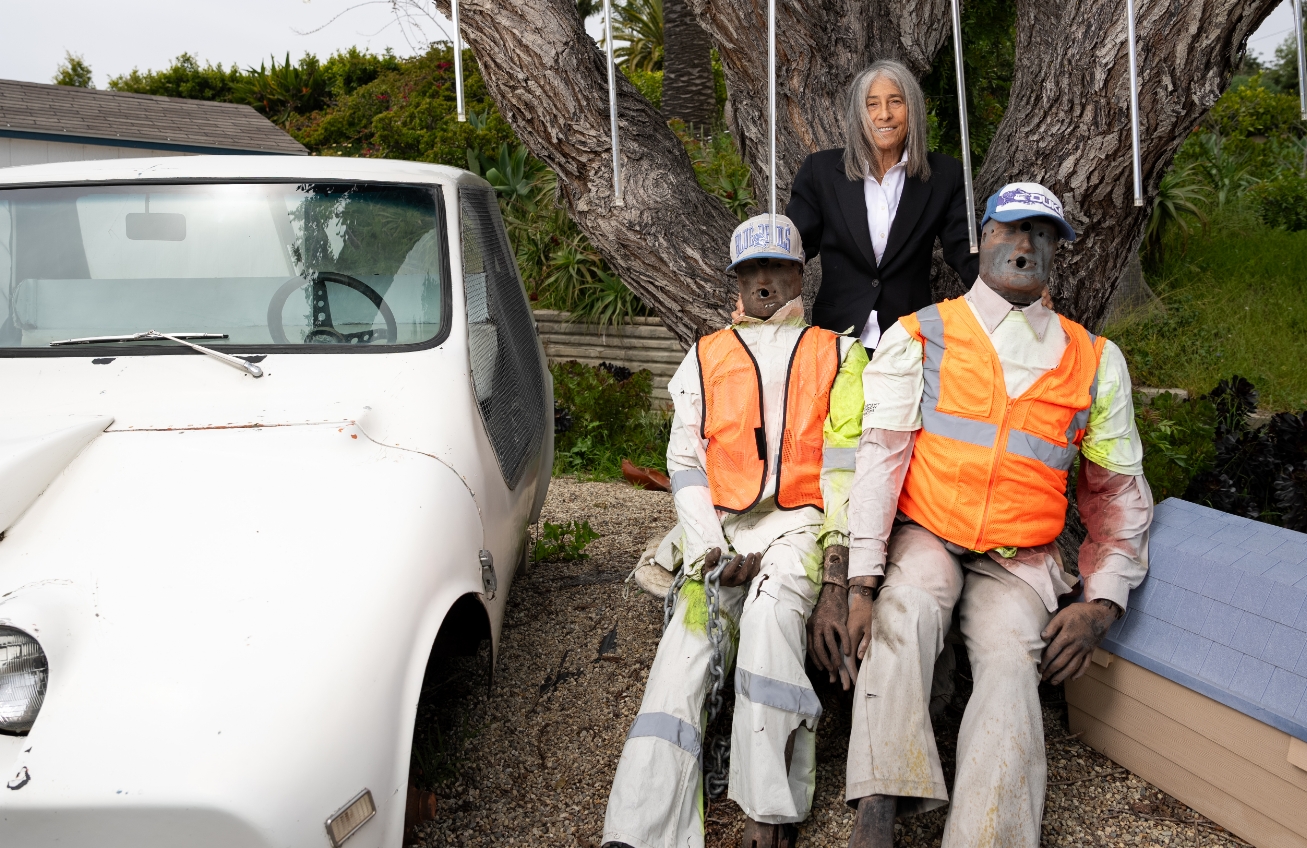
(882, 197)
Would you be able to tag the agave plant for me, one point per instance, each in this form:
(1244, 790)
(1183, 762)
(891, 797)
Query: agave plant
(285, 90)
(1180, 197)
(1228, 173)
(607, 302)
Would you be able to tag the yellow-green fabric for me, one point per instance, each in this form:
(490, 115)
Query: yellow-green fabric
(843, 429)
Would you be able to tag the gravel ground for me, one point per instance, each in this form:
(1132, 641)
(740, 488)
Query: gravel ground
(530, 760)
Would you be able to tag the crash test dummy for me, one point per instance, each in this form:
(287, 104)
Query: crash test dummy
(978, 408)
(767, 416)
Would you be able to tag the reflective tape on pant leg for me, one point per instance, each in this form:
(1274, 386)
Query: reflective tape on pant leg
(838, 457)
(800, 700)
(669, 728)
(687, 478)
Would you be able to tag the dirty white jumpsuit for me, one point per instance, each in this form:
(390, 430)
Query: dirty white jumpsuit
(1004, 597)
(657, 795)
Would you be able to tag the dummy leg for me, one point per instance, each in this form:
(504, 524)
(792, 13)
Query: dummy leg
(656, 799)
(773, 738)
(892, 743)
(998, 796)
(874, 825)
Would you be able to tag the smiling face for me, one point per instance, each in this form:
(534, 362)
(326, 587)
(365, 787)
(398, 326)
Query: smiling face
(888, 110)
(1016, 258)
(768, 284)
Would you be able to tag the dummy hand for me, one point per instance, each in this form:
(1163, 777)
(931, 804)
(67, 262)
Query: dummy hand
(740, 570)
(828, 636)
(738, 315)
(861, 613)
(1072, 636)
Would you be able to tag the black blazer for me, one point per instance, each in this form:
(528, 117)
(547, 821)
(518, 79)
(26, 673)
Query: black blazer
(830, 211)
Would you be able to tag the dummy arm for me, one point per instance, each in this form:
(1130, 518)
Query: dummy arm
(1116, 509)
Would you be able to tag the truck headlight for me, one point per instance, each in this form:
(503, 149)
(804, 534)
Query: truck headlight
(23, 675)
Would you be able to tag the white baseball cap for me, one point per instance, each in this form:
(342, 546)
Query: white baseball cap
(1016, 201)
(754, 239)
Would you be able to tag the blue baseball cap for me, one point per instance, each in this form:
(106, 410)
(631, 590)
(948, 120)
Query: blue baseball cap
(1017, 201)
(754, 240)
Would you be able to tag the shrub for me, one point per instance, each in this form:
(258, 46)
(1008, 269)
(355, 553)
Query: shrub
(564, 542)
(1282, 202)
(611, 418)
(1252, 109)
(1178, 441)
(649, 83)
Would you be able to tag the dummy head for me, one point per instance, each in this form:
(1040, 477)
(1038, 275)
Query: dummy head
(767, 284)
(768, 261)
(1016, 256)
(1018, 238)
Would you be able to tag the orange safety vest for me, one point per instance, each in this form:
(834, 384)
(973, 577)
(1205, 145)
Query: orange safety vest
(733, 422)
(990, 471)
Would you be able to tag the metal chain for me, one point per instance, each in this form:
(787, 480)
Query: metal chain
(669, 601)
(719, 750)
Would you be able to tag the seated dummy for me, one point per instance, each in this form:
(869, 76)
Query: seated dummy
(767, 418)
(982, 404)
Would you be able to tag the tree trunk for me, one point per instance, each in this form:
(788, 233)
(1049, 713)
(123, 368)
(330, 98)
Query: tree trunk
(1066, 126)
(1068, 120)
(670, 240)
(689, 91)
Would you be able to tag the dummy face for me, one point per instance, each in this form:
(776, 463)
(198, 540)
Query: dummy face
(1016, 258)
(888, 110)
(768, 284)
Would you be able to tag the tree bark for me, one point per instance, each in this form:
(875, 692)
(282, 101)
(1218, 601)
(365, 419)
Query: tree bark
(670, 240)
(689, 90)
(1067, 123)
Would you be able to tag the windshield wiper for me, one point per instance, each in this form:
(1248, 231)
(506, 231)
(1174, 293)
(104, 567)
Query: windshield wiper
(248, 367)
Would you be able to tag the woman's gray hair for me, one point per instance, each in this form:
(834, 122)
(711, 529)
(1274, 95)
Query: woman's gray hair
(859, 149)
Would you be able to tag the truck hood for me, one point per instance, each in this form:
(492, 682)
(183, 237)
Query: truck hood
(229, 615)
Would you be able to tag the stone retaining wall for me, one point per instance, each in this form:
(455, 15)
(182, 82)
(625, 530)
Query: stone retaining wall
(643, 343)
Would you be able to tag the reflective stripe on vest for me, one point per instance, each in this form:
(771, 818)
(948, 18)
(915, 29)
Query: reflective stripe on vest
(962, 484)
(734, 422)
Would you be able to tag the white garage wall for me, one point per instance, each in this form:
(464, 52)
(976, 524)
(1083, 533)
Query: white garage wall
(24, 151)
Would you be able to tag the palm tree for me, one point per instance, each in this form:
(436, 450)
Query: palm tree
(639, 23)
(689, 90)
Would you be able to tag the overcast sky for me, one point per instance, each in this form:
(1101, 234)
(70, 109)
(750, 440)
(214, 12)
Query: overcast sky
(115, 37)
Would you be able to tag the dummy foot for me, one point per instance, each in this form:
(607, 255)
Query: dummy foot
(874, 825)
(758, 835)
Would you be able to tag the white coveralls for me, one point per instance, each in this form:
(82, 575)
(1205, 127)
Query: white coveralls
(1004, 597)
(657, 795)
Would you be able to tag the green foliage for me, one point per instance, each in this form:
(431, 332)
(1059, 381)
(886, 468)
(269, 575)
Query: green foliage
(1226, 167)
(648, 83)
(638, 34)
(1180, 198)
(1283, 75)
(612, 419)
(989, 59)
(285, 90)
(73, 71)
(718, 166)
(1282, 202)
(1178, 440)
(1233, 303)
(1253, 109)
(563, 542)
(183, 78)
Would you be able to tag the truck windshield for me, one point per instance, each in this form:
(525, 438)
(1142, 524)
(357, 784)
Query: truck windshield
(263, 264)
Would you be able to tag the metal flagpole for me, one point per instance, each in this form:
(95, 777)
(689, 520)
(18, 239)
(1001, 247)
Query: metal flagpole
(458, 63)
(612, 104)
(1302, 59)
(962, 123)
(1134, 102)
(771, 109)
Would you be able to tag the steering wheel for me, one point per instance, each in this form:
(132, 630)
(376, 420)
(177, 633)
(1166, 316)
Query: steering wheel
(324, 331)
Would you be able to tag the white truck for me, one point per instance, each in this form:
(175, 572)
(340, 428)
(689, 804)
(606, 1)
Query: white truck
(272, 430)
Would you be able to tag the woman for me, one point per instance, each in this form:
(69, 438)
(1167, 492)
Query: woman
(874, 208)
